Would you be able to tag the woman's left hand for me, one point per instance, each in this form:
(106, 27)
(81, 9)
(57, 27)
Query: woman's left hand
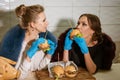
(82, 44)
(52, 47)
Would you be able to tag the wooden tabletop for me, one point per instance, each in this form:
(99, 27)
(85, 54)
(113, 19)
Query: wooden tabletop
(82, 75)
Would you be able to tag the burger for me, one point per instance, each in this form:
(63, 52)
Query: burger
(44, 46)
(57, 71)
(70, 71)
(75, 32)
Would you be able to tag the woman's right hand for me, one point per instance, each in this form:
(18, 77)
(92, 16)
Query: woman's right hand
(68, 42)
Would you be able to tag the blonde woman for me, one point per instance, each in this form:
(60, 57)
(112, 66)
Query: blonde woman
(32, 26)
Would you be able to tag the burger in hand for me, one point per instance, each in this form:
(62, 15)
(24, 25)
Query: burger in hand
(75, 32)
(70, 71)
(57, 71)
(44, 46)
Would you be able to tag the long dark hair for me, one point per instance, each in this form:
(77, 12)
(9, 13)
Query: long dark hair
(95, 25)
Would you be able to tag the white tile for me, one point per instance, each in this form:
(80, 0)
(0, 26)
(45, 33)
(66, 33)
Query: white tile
(110, 15)
(110, 2)
(27, 2)
(55, 14)
(59, 30)
(59, 12)
(77, 11)
(58, 2)
(4, 5)
(12, 5)
(86, 3)
(113, 31)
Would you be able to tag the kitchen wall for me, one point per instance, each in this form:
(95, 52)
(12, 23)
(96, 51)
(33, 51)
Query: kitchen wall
(62, 14)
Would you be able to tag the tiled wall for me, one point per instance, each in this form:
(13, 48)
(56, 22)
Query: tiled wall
(62, 14)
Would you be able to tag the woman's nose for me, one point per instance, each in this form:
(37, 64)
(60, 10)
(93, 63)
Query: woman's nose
(78, 26)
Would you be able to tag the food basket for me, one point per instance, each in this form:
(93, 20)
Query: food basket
(63, 64)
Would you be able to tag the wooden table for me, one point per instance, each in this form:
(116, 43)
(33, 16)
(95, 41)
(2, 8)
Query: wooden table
(82, 75)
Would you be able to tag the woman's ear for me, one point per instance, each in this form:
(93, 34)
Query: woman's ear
(32, 24)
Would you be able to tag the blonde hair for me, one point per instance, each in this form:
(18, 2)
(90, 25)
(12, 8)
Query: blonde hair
(28, 13)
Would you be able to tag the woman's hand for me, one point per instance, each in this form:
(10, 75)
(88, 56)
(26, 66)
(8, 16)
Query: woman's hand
(34, 47)
(82, 44)
(68, 42)
(52, 47)
(91, 66)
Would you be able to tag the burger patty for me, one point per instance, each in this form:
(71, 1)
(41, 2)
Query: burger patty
(71, 72)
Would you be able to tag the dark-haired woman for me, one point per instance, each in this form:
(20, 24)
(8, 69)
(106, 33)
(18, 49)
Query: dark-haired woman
(94, 50)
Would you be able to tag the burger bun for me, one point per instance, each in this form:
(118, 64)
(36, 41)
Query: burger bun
(58, 71)
(75, 32)
(70, 71)
(44, 46)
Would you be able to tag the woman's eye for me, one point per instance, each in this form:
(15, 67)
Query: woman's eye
(84, 24)
(78, 23)
(43, 20)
